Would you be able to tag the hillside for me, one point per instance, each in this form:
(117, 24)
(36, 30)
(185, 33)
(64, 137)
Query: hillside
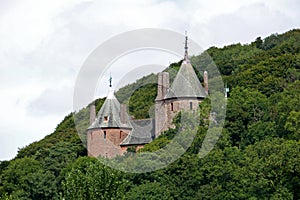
(257, 157)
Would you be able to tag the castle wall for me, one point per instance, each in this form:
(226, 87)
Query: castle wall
(174, 106)
(160, 117)
(105, 146)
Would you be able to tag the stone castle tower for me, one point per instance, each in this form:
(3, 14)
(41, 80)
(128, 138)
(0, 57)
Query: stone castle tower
(108, 129)
(112, 131)
(185, 93)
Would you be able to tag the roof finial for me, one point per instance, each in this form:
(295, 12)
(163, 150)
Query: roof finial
(186, 56)
(110, 80)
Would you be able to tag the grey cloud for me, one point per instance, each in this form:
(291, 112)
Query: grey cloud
(246, 24)
(53, 101)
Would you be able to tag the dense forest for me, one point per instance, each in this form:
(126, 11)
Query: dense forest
(257, 156)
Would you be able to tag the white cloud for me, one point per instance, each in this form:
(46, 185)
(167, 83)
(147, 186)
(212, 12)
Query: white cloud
(53, 101)
(242, 23)
(17, 127)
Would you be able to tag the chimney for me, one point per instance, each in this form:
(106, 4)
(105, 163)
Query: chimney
(123, 113)
(205, 77)
(162, 85)
(159, 86)
(92, 112)
(166, 83)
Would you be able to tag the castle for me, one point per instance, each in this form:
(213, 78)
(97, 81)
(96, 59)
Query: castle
(112, 131)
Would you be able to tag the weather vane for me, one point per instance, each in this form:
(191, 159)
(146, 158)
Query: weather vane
(110, 80)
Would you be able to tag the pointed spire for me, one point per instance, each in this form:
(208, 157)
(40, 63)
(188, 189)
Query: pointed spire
(186, 56)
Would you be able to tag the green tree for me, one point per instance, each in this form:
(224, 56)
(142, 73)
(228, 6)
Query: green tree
(274, 169)
(245, 107)
(149, 190)
(293, 125)
(87, 178)
(259, 43)
(284, 104)
(25, 178)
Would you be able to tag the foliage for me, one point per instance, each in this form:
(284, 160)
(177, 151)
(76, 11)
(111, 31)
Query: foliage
(140, 104)
(25, 178)
(87, 178)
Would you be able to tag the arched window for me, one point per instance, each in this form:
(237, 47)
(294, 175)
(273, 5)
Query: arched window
(172, 107)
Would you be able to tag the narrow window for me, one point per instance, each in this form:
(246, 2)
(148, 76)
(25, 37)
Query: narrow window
(191, 105)
(120, 134)
(105, 118)
(104, 134)
(172, 107)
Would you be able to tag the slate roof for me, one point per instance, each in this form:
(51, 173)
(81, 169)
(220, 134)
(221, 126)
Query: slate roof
(142, 132)
(186, 83)
(109, 114)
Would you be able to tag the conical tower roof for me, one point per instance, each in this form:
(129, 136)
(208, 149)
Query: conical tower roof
(186, 82)
(109, 116)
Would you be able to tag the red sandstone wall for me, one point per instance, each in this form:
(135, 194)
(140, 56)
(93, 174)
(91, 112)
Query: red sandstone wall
(105, 147)
(178, 105)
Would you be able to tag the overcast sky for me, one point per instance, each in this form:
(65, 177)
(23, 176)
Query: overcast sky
(44, 43)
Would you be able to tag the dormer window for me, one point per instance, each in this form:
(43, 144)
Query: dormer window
(105, 118)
